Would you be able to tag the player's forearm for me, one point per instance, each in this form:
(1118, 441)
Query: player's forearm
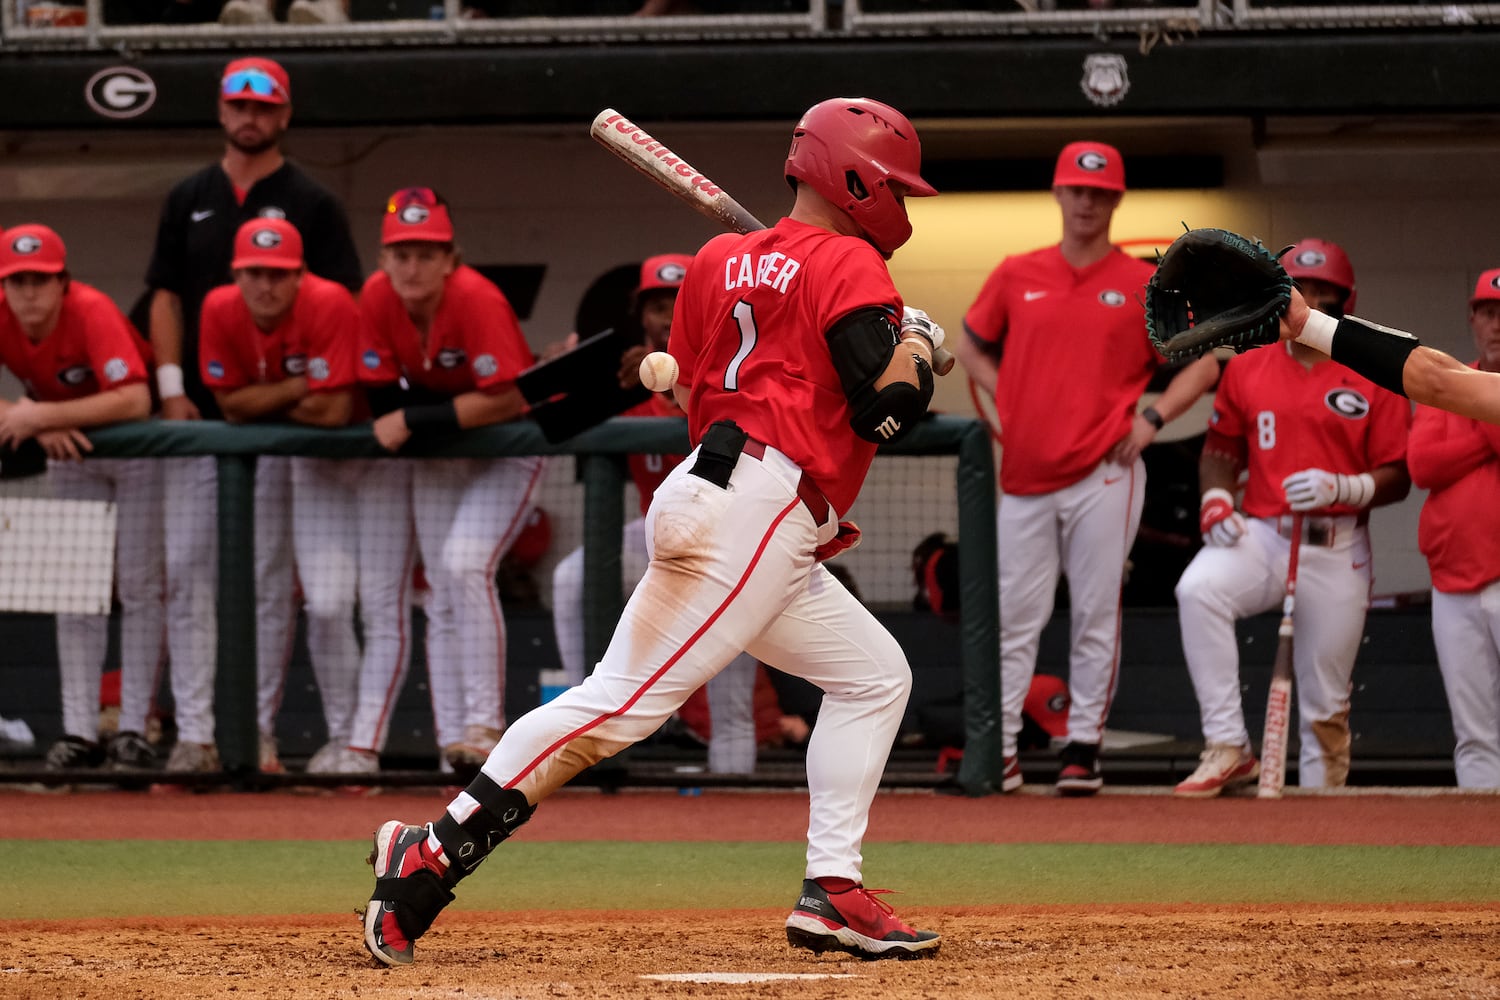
(251, 403)
(1437, 379)
(113, 406)
(1392, 484)
(480, 409)
(324, 409)
(1217, 471)
(166, 327)
(980, 366)
(1186, 387)
(1439, 455)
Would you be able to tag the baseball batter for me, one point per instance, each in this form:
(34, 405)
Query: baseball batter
(1071, 477)
(84, 365)
(442, 351)
(1311, 437)
(731, 692)
(278, 345)
(194, 247)
(1458, 460)
(793, 366)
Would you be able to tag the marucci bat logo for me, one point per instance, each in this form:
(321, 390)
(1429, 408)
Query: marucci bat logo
(641, 138)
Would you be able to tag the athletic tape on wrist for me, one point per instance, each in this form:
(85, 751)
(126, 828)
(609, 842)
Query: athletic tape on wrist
(1318, 331)
(1376, 352)
(169, 381)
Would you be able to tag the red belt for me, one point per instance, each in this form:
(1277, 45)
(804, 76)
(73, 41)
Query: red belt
(807, 491)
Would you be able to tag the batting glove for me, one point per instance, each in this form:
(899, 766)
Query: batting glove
(918, 322)
(1313, 489)
(1221, 524)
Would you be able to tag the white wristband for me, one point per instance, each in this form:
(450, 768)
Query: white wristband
(1356, 491)
(1317, 332)
(1216, 493)
(169, 380)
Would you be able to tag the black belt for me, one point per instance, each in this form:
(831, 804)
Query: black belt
(807, 491)
(1314, 532)
(722, 445)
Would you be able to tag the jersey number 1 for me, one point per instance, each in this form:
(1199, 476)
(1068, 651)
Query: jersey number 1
(744, 317)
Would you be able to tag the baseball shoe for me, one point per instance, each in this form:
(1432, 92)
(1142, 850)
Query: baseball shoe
(842, 915)
(1220, 767)
(187, 758)
(410, 891)
(269, 757)
(1010, 777)
(353, 761)
(1080, 774)
(129, 751)
(72, 753)
(326, 759)
(467, 756)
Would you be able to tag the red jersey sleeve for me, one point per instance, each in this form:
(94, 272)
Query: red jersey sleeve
(1228, 417)
(113, 351)
(377, 350)
(987, 318)
(498, 351)
(219, 353)
(859, 280)
(329, 335)
(1390, 425)
(1444, 448)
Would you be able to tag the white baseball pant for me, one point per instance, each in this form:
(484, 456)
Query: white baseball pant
(190, 505)
(1223, 584)
(275, 585)
(731, 571)
(731, 692)
(135, 487)
(1084, 530)
(1466, 632)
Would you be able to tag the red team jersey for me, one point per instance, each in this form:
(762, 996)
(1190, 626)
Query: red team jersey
(92, 349)
(317, 339)
(749, 336)
(648, 471)
(1458, 459)
(475, 341)
(1076, 358)
(1294, 418)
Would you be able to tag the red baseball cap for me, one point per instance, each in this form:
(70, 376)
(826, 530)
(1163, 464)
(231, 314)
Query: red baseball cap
(32, 248)
(1486, 289)
(416, 214)
(268, 243)
(1047, 704)
(663, 271)
(255, 79)
(1090, 164)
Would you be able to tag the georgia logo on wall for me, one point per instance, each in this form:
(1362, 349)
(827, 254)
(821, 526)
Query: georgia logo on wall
(1112, 298)
(120, 92)
(1105, 79)
(1347, 403)
(26, 244)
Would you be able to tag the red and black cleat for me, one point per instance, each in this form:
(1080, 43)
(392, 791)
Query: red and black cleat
(839, 914)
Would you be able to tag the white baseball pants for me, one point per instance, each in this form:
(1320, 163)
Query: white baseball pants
(1466, 632)
(135, 487)
(1221, 585)
(732, 570)
(1085, 531)
(191, 507)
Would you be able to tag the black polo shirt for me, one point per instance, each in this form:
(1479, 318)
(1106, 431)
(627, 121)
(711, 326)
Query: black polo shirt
(195, 243)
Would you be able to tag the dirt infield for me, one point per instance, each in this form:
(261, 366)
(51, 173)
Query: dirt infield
(1124, 951)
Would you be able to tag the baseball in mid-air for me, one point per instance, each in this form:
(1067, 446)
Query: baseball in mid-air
(658, 371)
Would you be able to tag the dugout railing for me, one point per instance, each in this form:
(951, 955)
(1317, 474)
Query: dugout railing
(604, 480)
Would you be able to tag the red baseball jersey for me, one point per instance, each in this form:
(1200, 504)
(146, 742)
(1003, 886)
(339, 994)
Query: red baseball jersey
(648, 471)
(475, 341)
(93, 348)
(317, 339)
(1458, 460)
(1075, 359)
(1294, 418)
(749, 335)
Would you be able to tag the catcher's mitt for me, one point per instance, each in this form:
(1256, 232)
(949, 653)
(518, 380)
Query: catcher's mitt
(1213, 288)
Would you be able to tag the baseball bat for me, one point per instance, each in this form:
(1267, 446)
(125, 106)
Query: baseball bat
(1279, 701)
(651, 157)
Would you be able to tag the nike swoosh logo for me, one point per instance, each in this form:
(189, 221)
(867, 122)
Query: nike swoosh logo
(1032, 296)
(200, 216)
(1361, 565)
(1111, 482)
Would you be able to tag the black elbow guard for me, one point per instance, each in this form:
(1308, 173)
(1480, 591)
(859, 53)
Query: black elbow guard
(862, 345)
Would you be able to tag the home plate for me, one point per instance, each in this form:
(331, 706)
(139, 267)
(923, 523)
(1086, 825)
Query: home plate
(742, 977)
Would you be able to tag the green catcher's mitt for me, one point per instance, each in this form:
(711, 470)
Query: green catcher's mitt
(1213, 288)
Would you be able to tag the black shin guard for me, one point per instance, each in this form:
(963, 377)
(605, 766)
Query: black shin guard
(501, 812)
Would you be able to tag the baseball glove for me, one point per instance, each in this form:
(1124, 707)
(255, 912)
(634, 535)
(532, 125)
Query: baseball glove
(1213, 288)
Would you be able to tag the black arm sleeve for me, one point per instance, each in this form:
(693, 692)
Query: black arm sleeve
(862, 344)
(1376, 352)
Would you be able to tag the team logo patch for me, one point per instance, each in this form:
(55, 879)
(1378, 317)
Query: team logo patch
(294, 364)
(120, 92)
(1091, 160)
(317, 369)
(451, 357)
(266, 239)
(414, 215)
(271, 212)
(1311, 258)
(1347, 403)
(1495, 282)
(671, 273)
(485, 366)
(75, 375)
(1112, 298)
(216, 369)
(26, 244)
(1105, 81)
(116, 369)
(370, 360)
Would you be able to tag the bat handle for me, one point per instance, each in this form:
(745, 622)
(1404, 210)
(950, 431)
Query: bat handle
(942, 361)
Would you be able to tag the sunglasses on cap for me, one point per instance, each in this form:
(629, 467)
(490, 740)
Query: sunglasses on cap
(255, 81)
(406, 197)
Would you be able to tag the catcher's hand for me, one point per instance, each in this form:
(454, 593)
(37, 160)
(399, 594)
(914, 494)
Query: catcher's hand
(1213, 288)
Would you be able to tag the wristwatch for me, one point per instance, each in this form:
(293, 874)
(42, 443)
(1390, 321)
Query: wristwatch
(1153, 418)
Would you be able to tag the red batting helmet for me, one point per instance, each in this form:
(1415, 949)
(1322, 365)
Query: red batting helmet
(849, 150)
(1321, 260)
